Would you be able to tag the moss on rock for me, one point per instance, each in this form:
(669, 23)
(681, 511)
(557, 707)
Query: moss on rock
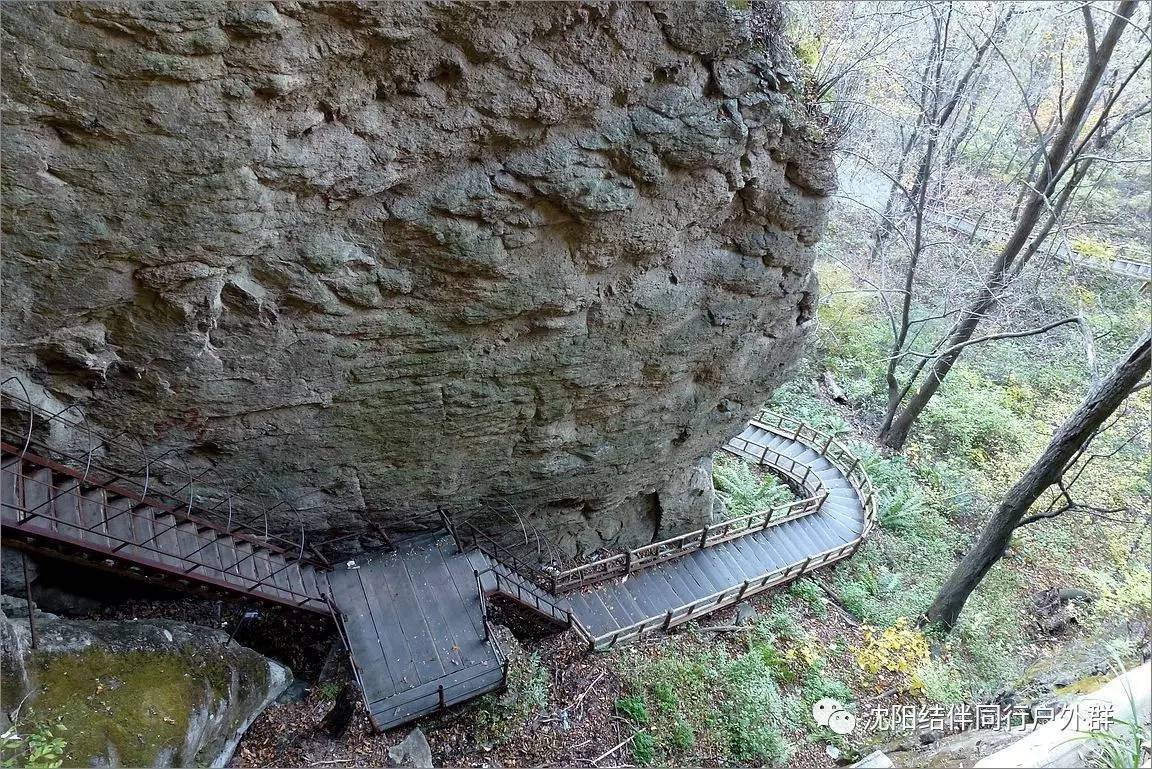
(145, 694)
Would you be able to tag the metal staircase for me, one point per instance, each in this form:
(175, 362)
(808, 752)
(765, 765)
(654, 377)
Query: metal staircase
(47, 505)
(70, 506)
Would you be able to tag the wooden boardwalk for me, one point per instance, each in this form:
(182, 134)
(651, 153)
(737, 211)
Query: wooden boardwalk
(705, 580)
(414, 622)
(415, 617)
(1058, 246)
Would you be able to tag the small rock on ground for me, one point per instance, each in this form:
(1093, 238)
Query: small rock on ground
(413, 751)
(875, 760)
(745, 614)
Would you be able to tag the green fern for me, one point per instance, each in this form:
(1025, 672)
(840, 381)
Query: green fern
(742, 490)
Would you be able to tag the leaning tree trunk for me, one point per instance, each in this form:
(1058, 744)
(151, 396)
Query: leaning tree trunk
(1009, 262)
(1104, 398)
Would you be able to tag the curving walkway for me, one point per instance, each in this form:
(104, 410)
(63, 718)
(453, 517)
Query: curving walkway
(1058, 247)
(710, 578)
(415, 618)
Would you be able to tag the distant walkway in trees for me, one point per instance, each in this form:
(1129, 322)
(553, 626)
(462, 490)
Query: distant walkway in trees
(1058, 247)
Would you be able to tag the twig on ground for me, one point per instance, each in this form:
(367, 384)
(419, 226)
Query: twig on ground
(724, 628)
(884, 694)
(848, 616)
(610, 752)
(580, 699)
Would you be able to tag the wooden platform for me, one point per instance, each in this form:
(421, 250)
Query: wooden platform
(415, 626)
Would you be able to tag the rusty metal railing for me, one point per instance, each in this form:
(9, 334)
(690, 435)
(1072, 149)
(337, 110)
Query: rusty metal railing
(142, 483)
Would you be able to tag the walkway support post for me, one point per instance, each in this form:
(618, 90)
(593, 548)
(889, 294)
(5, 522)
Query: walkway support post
(451, 529)
(28, 597)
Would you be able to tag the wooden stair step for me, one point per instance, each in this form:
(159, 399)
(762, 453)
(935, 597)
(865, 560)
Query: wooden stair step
(117, 518)
(10, 488)
(166, 542)
(37, 498)
(92, 517)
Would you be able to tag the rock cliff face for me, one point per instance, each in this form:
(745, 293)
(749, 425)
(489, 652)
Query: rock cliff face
(387, 256)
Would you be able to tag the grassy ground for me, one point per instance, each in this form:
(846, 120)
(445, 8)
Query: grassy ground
(701, 701)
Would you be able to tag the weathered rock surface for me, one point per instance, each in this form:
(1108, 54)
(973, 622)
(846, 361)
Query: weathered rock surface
(147, 693)
(413, 751)
(383, 257)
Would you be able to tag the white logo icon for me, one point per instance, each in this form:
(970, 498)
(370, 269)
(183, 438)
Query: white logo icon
(829, 712)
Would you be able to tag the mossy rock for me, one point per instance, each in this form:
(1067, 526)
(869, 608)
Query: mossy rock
(143, 693)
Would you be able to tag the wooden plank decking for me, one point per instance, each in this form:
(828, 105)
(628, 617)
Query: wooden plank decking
(414, 618)
(414, 624)
(648, 595)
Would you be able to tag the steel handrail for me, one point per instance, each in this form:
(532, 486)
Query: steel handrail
(498, 552)
(723, 597)
(47, 417)
(260, 553)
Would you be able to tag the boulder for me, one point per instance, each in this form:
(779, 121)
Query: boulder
(384, 257)
(139, 693)
(1121, 708)
(413, 751)
(12, 572)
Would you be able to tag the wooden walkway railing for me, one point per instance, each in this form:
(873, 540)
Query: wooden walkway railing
(1057, 246)
(838, 455)
(831, 448)
(646, 556)
(723, 598)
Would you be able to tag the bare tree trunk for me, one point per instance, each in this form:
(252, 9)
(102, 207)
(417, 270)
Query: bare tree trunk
(895, 431)
(943, 107)
(1080, 427)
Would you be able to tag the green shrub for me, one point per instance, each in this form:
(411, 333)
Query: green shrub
(665, 694)
(816, 686)
(971, 417)
(743, 490)
(809, 591)
(40, 748)
(776, 662)
(634, 708)
(752, 710)
(497, 718)
(900, 510)
(779, 623)
(643, 748)
(1094, 249)
(941, 682)
(682, 738)
(807, 50)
